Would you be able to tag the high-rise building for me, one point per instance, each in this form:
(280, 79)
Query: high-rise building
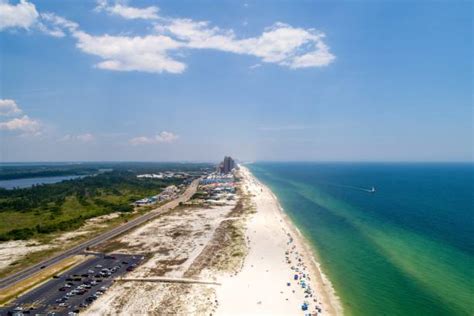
(227, 165)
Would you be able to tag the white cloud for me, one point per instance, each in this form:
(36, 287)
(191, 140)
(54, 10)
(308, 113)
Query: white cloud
(161, 50)
(55, 32)
(148, 54)
(23, 124)
(316, 58)
(280, 44)
(9, 107)
(55, 25)
(141, 140)
(127, 12)
(163, 137)
(22, 15)
(86, 137)
(83, 138)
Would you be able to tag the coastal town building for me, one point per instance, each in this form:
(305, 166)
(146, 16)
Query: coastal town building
(227, 165)
(217, 188)
(169, 193)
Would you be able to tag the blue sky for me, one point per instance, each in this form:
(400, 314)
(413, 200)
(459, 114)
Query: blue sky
(259, 80)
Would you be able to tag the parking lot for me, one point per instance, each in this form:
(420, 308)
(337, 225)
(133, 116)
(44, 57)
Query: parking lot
(75, 289)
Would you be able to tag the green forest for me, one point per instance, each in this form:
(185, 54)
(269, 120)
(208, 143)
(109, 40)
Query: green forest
(45, 209)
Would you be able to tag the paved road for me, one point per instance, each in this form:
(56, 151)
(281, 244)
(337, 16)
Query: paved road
(16, 277)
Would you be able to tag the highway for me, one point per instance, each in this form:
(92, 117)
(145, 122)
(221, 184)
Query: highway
(21, 275)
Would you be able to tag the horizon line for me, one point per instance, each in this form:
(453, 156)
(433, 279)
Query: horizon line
(241, 161)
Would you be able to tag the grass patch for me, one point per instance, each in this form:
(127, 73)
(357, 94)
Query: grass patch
(38, 256)
(65, 206)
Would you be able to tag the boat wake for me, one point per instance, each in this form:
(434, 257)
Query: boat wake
(371, 190)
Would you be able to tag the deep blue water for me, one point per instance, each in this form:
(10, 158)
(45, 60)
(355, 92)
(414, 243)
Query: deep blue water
(406, 249)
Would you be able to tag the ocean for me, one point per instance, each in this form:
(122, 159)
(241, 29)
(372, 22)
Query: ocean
(405, 249)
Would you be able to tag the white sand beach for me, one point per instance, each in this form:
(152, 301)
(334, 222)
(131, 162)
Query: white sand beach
(277, 252)
(252, 257)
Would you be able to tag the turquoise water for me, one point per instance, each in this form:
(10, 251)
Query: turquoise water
(407, 249)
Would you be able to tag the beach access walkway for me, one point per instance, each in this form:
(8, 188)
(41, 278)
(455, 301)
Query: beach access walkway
(168, 280)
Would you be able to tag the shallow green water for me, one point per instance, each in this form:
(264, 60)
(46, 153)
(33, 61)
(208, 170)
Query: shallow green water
(407, 249)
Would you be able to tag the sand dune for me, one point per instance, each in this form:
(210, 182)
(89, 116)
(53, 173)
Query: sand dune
(249, 252)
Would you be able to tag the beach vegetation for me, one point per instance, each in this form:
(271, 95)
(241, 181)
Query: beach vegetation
(65, 206)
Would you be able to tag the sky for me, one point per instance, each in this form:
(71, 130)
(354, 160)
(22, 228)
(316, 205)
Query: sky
(257, 80)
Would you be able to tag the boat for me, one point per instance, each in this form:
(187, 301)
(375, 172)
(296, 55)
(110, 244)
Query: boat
(371, 190)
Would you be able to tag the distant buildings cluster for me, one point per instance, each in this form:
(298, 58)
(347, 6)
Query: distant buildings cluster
(164, 175)
(226, 166)
(217, 188)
